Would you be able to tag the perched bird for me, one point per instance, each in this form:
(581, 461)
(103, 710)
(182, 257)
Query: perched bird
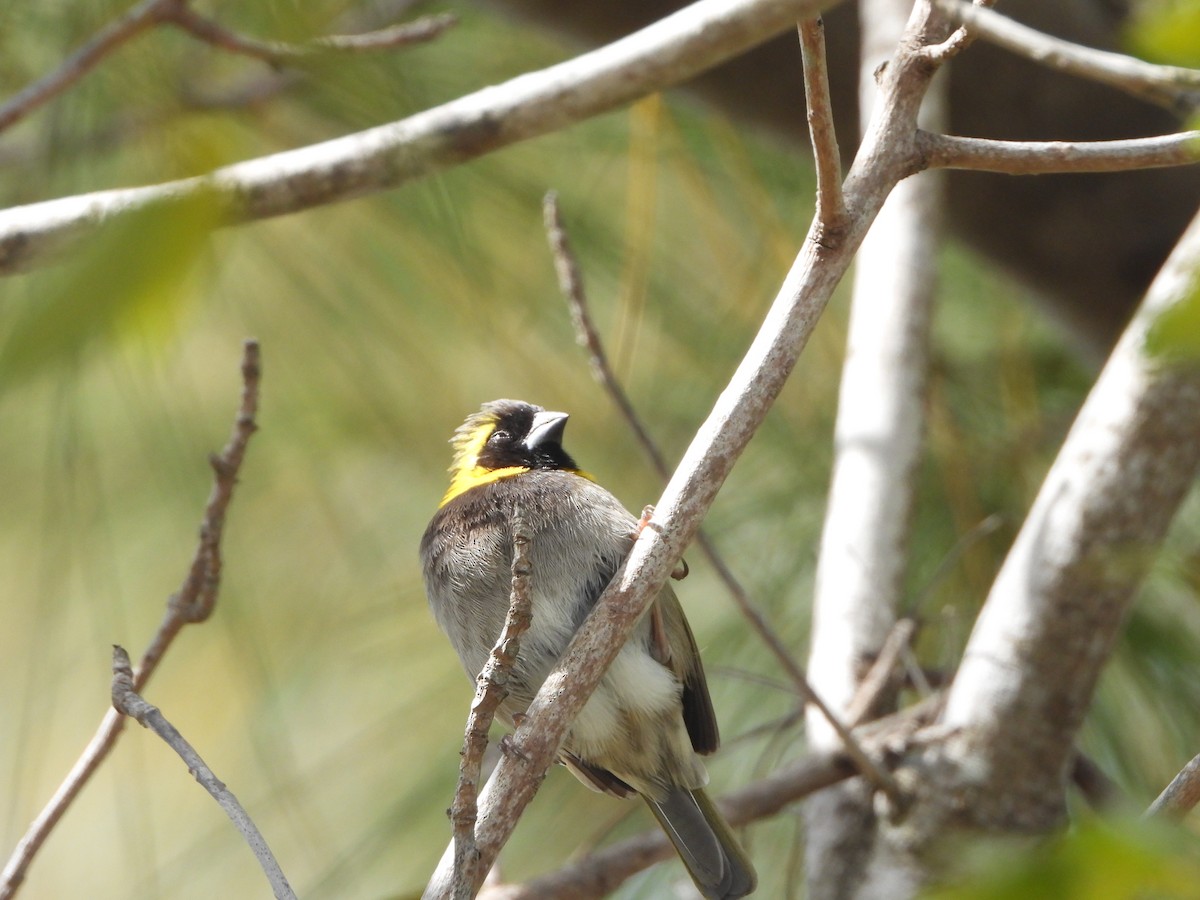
(641, 731)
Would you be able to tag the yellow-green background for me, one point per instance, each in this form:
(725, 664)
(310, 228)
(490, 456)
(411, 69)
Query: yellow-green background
(321, 691)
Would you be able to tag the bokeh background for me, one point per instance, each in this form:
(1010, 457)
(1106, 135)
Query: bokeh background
(321, 691)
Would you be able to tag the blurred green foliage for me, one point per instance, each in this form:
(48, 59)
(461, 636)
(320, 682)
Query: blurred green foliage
(1118, 859)
(1175, 335)
(321, 691)
(1166, 31)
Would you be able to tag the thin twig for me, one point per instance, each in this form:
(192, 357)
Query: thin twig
(1181, 795)
(831, 210)
(879, 685)
(277, 52)
(127, 701)
(146, 14)
(1173, 87)
(152, 13)
(570, 281)
(572, 286)
(491, 687)
(947, 151)
(193, 603)
(956, 43)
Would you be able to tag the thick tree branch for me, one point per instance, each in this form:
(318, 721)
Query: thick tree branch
(1058, 604)
(1174, 87)
(944, 151)
(193, 603)
(128, 702)
(878, 443)
(672, 50)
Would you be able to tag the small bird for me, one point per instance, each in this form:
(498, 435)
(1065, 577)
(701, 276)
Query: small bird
(641, 731)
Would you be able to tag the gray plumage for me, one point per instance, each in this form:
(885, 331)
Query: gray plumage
(641, 730)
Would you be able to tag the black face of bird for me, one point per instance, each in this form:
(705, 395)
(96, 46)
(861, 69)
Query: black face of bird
(526, 436)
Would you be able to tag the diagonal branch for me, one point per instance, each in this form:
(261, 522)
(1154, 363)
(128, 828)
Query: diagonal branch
(1064, 591)
(193, 603)
(128, 702)
(572, 286)
(145, 15)
(668, 52)
(1180, 796)
(737, 414)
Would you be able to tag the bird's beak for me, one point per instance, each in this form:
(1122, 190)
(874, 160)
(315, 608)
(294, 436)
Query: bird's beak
(547, 429)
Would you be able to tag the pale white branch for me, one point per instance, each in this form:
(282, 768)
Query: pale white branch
(877, 448)
(672, 50)
(1058, 604)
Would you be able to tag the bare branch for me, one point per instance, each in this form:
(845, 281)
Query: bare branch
(193, 603)
(127, 701)
(956, 43)
(146, 14)
(1049, 157)
(421, 30)
(831, 211)
(672, 50)
(880, 683)
(571, 283)
(1063, 593)
(878, 443)
(1181, 795)
(1173, 87)
(490, 691)
(151, 13)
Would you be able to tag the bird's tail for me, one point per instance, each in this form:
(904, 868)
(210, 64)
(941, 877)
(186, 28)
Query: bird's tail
(705, 843)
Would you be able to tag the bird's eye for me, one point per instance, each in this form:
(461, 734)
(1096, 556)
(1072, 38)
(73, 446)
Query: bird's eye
(498, 436)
